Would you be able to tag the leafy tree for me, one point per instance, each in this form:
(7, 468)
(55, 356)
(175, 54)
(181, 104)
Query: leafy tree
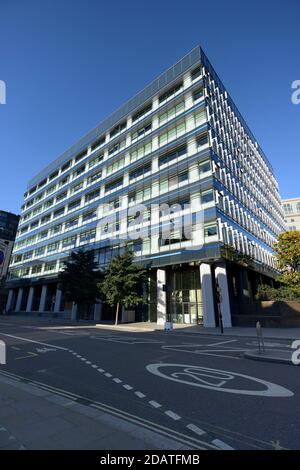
(287, 250)
(80, 278)
(122, 282)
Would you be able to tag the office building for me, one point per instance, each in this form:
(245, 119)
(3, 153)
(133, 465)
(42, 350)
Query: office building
(180, 141)
(291, 209)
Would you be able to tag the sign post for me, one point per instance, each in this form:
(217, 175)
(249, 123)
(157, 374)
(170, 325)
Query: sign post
(219, 301)
(260, 338)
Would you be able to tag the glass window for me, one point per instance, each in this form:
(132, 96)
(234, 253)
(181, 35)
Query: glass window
(142, 112)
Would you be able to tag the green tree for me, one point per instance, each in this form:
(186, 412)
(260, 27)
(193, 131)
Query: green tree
(80, 279)
(122, 282)
(287, 250)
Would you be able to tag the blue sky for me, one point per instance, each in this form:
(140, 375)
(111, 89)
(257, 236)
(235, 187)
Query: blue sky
(67, 64)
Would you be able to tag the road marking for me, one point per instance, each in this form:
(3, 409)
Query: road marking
(128, 387)
(140, 394)
(30, 354)
(215, 379)
(221, 342)
(94, 366)
(107, 374)
(172, 415)
(100, 370)
(36, 342)
(155, 404)
(15, 348)
(118, 381)
(222, 445)
(195, 429)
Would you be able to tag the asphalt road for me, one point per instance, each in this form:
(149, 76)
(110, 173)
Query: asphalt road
(182, 384)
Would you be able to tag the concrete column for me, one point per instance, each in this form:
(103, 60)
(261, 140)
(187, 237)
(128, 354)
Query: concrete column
(30, 300)
(221, 277)
(74, 312)
(58, 296)
(207, 296)
(43, 298)
(19, 299)
(9, 299)
(98, 311)
(161, 297)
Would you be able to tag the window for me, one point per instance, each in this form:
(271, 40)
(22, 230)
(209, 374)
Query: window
(86, 237)
(64, 181)
(98, 143)
(141, 152)
(171, 134)
(39, 251)
(172, 155)
(49, 203)
(45, 219)
(53, 247)
(116, 165)
(73, 205)
(141, 132)
(42, 183)
(202, 140)
(80, 156)
(56, 229)
(140, 195)
(28, 255)
(76, 188)
(53, 175)
(113, 184)
(61, 196)
(196, 73)
(184, 176)
(117, 129)
(71, 224)
(66, 165)
(95, 177)
(95, 160)
(43, 234)
(51, 189)
(34, 225)
(204, 167)
(207, 196)
(210, 230)
(89, 216)
(58, 212)
(197, 94)
(50, 266)
(171, 113)
(92, 195)
(287, 208)
(116, 147)
(79, 171)
(142, 112)
(200, 118)
(171, 92)
(69, 242)
(142, 170)
(36, 269)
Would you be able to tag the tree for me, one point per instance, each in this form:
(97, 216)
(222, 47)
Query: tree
(122, 282)
(80, 278)
(287, 250)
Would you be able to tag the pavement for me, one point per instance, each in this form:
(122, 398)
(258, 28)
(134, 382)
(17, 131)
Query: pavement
(179, 390)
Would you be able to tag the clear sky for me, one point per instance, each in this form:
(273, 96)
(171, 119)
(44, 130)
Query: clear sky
(67, 64)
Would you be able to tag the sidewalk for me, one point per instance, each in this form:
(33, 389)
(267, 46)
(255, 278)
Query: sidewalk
(33, 418)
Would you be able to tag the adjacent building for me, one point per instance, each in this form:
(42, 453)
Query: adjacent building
(8, 229)
(291, 209)
(180, 142)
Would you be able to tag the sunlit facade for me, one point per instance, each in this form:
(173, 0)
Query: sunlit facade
(180, 141)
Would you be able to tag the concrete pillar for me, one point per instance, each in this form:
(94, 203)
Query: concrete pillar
(9, 299)
(19, 300)
(98, 311)
(30, 299)
(207, 296)
(161, 297)
(58, 296)
(221, 277)
(43, 298)
(74, 312)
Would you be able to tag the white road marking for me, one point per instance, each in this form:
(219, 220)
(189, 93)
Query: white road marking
(216, 379)
(155, 404)
(94, 366)
(118, 381)
(222, 445)
(100, 370)
(30, 354)
(36, 342)
(88, 362)
(195, 429)
(107, 374)
(140, 394)
(172, 415)
(222, 342)
(128, 387)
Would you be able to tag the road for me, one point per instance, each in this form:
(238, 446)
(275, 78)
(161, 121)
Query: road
(195, 388)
